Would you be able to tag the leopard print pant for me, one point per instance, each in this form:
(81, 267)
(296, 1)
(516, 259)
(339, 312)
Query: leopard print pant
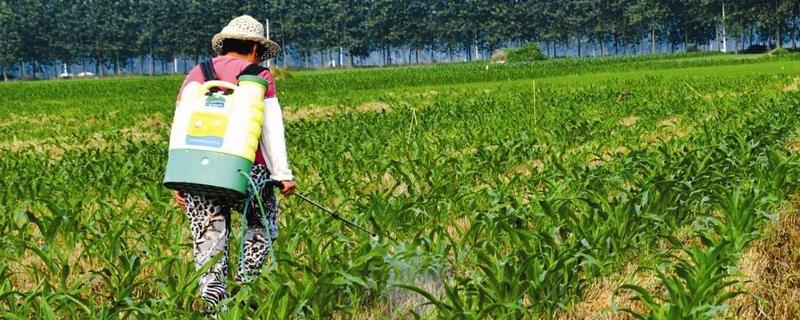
(210, 220)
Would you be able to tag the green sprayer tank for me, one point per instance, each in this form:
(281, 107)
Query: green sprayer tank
(214, 137)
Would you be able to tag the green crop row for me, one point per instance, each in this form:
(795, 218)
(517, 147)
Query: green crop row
(503, 201)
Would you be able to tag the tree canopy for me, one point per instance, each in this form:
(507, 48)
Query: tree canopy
(110, 35)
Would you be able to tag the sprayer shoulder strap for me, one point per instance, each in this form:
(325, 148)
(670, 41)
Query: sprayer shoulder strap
(252, 70)
(208, 70)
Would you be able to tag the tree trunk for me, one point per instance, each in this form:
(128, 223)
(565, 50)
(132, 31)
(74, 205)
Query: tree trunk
(778, 40)
(653, 40)
(5, 74)
(152, 63)
(433, 55)
(742, 42)
(602, 47)
(579, 46)
(685, 41)
(416, 55)
(283, 52)
(22, 73)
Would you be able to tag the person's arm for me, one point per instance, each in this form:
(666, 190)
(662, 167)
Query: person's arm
(273, 141)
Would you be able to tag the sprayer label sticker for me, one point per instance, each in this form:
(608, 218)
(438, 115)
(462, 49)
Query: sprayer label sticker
(207, 129)
(215, 101)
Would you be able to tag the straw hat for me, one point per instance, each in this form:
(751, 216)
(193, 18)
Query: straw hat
(246, 28)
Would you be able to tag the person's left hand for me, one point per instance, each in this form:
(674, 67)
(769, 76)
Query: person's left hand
(288, 187)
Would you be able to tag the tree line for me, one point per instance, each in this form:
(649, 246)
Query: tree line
(141, 36)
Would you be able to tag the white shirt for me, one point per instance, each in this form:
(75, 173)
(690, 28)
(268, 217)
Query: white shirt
(273, 142)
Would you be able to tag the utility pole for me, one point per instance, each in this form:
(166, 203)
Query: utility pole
(724, 37)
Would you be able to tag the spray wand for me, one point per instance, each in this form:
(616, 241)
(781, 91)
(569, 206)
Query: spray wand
(332, 213)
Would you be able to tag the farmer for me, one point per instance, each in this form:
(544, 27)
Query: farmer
(240, 46)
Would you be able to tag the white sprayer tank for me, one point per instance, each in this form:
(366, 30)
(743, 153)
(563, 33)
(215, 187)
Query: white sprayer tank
(214, 137)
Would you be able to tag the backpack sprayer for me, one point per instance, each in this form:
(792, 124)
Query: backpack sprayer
(214, 137)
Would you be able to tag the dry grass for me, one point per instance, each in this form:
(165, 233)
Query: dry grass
(458, 227)
(373, 183)
(597, 304)
(279, 74)
(527, 168)
(772, 268)
(499, 56)
(721, 94)
(398, 303)
(324, 112)
(793, 86)
(629, 121)
(605, 156)
(463, 152)
(673, 132)
(373, 106)
(149, 129)
(671, 121)
(312, 112)
(794, 145)
(38, 120)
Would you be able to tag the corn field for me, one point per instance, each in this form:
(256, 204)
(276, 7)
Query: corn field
(498, 191)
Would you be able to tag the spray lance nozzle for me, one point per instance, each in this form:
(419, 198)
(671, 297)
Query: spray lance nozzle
(333, 214)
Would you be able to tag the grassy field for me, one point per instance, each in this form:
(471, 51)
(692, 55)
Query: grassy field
(562, 189)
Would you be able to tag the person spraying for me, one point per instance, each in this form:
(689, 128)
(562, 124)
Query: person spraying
(211, 156)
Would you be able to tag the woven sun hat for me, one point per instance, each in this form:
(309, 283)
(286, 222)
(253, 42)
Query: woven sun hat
(246, 28)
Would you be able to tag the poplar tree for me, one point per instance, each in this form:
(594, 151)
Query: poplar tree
(9, 39)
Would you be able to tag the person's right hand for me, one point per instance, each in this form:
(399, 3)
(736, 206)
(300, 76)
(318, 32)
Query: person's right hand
(179, 199)
(288, 187)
